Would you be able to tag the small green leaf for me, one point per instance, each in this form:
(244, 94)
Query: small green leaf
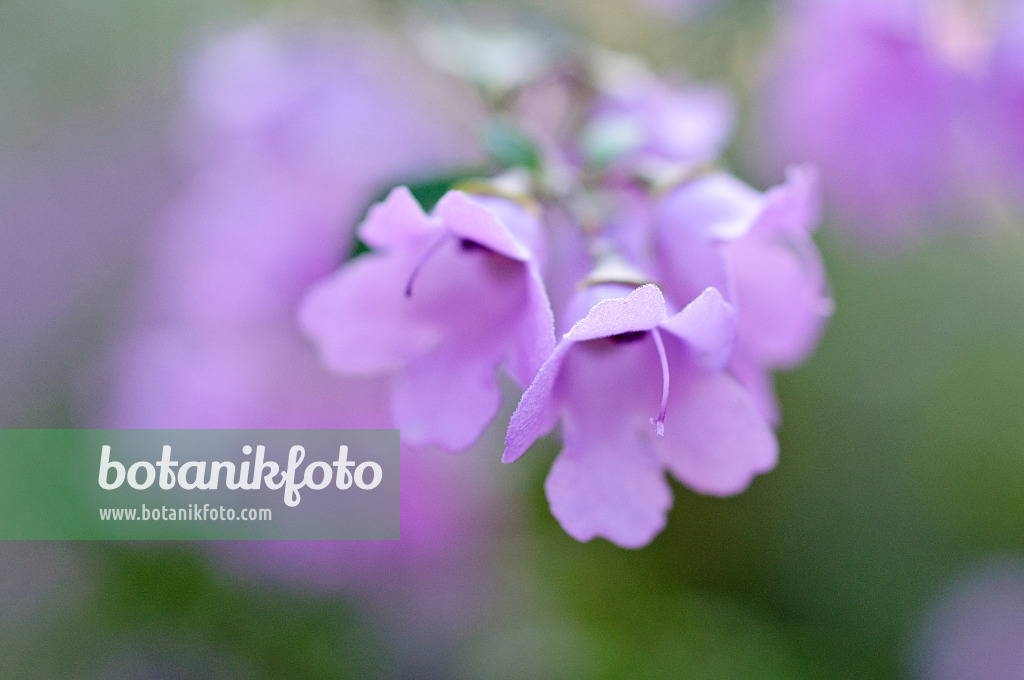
(510, 147)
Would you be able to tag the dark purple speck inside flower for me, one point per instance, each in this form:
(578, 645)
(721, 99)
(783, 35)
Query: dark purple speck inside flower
(466, 244)
(629, 336)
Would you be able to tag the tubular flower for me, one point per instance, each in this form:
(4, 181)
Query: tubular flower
(449, 298)
(757, 248)
(639, 391)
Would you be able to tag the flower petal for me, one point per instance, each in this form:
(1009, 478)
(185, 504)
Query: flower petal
(688, 253)
(534, 338)
(470, 220)
(641, 310)
(446, 398)
(537, 412)
(780, 277)
(608, 483)
(708, 326)
(361, 319)
(717, 205)
(398, 220)
(715, 439)
(758, 383)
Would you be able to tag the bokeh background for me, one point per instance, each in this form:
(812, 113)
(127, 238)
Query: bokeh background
(888, 543)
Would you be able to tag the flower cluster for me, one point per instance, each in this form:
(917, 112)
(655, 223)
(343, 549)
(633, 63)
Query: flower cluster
(675, 288)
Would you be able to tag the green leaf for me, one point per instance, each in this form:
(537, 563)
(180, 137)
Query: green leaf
(510, 147)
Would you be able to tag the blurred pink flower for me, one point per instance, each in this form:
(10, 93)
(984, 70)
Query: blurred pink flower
(884, 98)
(291, 138)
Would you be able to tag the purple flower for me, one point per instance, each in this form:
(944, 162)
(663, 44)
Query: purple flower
(296, 136)
(447, 299)
(881, 101)
(343, 112)
(638, 392)
(641, 119)
(757, 249)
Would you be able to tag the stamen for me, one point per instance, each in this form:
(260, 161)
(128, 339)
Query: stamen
(434, 247)
(659, 424)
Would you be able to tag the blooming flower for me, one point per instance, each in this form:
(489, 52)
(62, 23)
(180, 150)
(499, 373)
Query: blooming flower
(757, 249)
(424, 323)
(452, 296)
(621, 432)
(881, 102)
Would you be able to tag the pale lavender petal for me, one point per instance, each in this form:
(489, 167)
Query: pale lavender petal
(758, 383)
(588, 386)
(475, 295)
(472, 221)
(715, 439)
(793, 207)
(780, 277)
(642, 310)
(718, 205)
(607, 481)
(585, 299)
(534, 338)
(688, 263)
(690, 224)
(361, 319)
(444, 336)
(522, 223)
(782, 303)
(537, 412)
(399, 219)
(446, 398)
(708, 326)
(692, 125)
(568, 264)
(604, 484)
